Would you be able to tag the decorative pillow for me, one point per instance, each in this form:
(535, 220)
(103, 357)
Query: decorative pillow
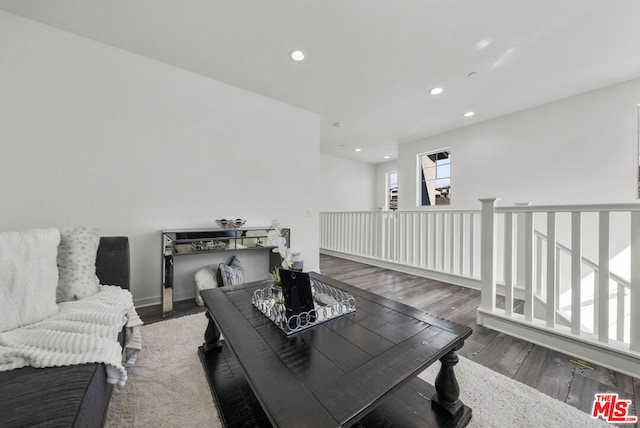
(77, 263)
(28, 277)
(233, 273)
(205, 278)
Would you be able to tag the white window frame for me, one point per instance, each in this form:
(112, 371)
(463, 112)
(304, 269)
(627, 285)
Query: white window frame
(387, 188)
(419, 157)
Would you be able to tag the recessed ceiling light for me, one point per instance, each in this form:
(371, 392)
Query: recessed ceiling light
(358, 150)
(469, 114)
(436, 91)
(387, 157)
(297, 55)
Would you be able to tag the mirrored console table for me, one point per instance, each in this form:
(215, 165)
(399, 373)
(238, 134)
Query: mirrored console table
(183, 242)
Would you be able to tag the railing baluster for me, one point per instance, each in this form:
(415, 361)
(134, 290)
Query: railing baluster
(528, 268)
(444, 241)
(415, 239)
(377, 231)
(539, 267)
(355, 224)
(360, 233)
(472, 243)
(353, 233)
(403, 237)
(452, 240)
(576, 272)
(558, 277)
(364, 247)
(357, 229)
(335, 225)
(366, 242)
(634, 290)
(441, 250)
(423, 240)
(551, 269)
(461, 244)
(432, 241)
(407, 238)
(387, 236)
(620, 312)
(391, 247)
(508, 263)
(328, 230)
(363, 233)
(602, 294)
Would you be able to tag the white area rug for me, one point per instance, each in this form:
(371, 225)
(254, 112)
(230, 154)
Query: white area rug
(167, 388)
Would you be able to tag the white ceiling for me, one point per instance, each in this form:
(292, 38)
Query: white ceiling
(371, 63)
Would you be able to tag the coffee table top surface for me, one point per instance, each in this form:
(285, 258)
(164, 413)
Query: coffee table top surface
(336, 372)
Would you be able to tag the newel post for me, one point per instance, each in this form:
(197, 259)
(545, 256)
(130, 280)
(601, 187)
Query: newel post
(488, 254)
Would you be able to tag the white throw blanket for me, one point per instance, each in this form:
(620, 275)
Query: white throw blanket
(83, 331)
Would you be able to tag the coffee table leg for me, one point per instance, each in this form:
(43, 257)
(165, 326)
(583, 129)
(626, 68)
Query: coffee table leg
(447, 390)
(211, 336)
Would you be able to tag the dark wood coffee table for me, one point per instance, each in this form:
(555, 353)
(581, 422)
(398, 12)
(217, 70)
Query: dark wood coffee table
(357, 370)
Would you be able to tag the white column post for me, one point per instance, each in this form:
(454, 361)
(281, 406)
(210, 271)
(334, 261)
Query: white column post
(488, 255)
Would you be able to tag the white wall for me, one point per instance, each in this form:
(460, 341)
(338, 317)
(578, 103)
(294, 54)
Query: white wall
(346, 185)
(582, 149)
(381, 181)
(94, 135)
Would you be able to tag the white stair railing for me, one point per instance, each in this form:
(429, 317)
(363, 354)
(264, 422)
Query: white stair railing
(542, 279)
(440, 244)
(618, 292)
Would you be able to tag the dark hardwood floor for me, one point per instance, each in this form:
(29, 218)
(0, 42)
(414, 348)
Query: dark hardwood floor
(555, 374)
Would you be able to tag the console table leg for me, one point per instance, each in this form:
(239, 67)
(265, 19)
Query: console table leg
(447, 390)
(211, 335)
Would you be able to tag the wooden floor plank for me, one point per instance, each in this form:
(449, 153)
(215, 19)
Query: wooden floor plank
(547, 371)
(583, 390)
(504, 354)
(607, 377)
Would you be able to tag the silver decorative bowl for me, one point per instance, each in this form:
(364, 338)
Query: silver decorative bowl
(230, 224)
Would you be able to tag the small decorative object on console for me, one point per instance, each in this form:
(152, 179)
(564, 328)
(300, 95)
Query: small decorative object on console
(230, 224)
(207, 245)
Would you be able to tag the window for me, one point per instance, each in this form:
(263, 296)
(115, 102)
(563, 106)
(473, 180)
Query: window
(434, 172)
(392, 190)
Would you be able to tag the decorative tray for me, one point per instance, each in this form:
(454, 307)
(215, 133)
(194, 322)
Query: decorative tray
(329, 303)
